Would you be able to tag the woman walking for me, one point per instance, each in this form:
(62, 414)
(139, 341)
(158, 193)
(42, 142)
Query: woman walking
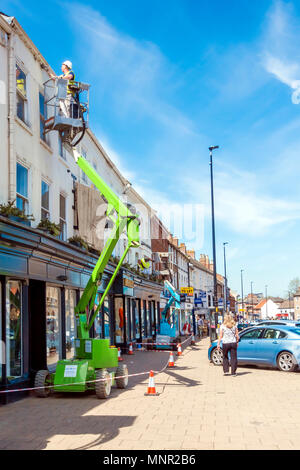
(230, 337)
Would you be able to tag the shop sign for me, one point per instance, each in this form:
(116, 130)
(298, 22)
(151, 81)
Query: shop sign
(187, 290)
(128, 285)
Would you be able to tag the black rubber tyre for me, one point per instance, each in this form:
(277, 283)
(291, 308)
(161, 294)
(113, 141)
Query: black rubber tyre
(286, 362)
(122, 371)
(103, 387)
(217, 357)
(41, 381)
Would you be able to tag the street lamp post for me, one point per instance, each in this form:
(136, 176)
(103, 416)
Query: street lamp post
(266, 287)
(242, 289)
(213, 242)
(225, 280)
(252, 301)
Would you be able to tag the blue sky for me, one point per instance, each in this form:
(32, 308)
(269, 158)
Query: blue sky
(171, 78)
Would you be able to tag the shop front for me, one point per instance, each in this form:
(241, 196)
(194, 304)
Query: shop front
(136, 310)
(41, 281)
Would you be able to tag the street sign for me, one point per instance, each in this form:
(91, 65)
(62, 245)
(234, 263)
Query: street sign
(187, 290)
(198, 301)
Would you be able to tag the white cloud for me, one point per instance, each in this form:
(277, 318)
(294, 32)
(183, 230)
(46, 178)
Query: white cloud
(241, 205)
(136, 75)
(280, 55)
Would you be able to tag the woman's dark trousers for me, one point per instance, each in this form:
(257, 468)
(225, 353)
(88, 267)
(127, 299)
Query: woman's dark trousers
(232, 348)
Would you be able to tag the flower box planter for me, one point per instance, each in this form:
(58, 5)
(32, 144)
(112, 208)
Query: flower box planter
(19, 220)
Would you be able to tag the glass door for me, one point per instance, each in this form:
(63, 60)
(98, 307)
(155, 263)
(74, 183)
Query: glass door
(70, 301)
(14, 330)
(136, 318)
(119, 320)
(53, 325)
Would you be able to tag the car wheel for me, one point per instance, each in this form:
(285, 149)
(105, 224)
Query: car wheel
(286, 362)
(217, 357)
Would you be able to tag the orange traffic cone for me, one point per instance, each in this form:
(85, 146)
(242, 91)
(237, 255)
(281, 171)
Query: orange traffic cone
(119, 355)
(179, 352)
(130, 349)
(171, 360)
(151, 385)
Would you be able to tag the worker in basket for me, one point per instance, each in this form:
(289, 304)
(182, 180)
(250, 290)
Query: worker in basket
(69, 106)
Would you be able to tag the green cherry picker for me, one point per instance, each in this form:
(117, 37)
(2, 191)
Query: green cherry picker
(95, 364)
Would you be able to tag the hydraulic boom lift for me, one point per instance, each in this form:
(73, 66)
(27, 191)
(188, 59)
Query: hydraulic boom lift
(168, 336)
(93, 357)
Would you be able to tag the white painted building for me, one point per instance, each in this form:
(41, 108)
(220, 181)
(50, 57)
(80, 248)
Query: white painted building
(267, 309)
(36, 171)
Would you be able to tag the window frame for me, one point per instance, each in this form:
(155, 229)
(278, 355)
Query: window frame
(20, 95)
(43, 117)
(25, 199)
(62, 221)
(47, 210)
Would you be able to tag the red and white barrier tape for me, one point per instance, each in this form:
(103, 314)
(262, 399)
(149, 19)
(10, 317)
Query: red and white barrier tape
(30, 389)
(161, 343)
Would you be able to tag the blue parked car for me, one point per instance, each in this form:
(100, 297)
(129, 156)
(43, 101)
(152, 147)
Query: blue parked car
(277, 346)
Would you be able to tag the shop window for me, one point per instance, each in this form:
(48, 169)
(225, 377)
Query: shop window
(98, 319)
(143, 318)
(106, 319)
(2, 347)
(62, 217)
(53, 325)
(14, 356)
(70, 302)
(119, 320)
(128, 322)
(136, 318)
(152, 317)
(45, 210)
(148, 319)
(21, 94)
(22, 188)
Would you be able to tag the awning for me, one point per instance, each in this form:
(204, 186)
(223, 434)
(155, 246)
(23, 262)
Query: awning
(282, 315)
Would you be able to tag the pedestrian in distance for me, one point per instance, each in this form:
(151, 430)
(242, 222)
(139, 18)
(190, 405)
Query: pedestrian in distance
(200, 327)
(229, 336)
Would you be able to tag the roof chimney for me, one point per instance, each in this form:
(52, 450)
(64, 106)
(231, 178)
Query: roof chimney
(191, 253)
(175, 241)
(182, 247)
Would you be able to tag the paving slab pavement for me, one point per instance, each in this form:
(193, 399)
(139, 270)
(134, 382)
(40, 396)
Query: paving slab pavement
(197, 408)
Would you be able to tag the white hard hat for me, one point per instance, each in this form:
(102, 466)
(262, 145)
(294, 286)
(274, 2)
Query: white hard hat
(68, 63)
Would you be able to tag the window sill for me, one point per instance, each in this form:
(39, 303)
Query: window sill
(24, 125)
(47, 147)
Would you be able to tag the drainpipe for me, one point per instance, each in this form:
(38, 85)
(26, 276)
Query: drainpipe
(11, 118)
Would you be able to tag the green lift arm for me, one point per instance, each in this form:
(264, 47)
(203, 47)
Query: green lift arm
(122, 218)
